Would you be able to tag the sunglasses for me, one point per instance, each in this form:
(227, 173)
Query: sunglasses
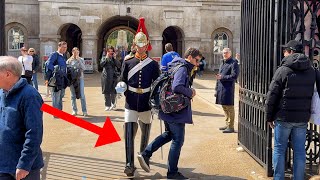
(197, 60)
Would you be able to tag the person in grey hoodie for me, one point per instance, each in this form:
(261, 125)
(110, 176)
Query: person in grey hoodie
(288, 107)
(175, 122)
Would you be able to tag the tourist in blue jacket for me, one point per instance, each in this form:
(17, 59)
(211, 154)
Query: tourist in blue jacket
(57, 58)
(21, 127)
(175, 122)
(168, 57)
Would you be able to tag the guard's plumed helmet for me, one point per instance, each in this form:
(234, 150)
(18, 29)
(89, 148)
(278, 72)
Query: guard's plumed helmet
(140, 39)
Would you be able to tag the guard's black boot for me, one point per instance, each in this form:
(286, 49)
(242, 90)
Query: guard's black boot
(130, 130)
(145, 134)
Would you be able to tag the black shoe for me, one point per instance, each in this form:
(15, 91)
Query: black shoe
(228, 130)
(223, 128)
(144, 162)
(129, 171)
(177, 175)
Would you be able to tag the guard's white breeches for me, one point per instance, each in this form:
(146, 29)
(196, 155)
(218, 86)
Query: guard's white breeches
(134, 116)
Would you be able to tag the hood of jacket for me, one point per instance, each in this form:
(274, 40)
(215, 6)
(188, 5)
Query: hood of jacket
(181, 60)
(297, 61)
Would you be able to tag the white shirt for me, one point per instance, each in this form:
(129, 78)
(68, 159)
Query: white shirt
(27, 61)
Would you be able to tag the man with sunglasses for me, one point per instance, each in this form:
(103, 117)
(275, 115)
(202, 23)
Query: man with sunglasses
(226, 78)
(175, 122)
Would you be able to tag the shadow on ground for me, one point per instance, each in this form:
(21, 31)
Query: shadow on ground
(188, 172)
(63, 166)
(198, 113)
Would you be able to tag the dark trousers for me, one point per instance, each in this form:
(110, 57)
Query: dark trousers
(33, 175)
(173, 132)
(109, 98)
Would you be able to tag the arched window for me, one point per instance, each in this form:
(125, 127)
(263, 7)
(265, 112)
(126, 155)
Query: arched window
(220, 41)
(15, 38)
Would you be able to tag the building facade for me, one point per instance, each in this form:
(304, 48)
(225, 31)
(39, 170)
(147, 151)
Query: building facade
(209, 25)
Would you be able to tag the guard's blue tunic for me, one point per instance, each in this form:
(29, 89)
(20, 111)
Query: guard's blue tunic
(142, 79)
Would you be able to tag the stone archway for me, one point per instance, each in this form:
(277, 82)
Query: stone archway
(72, 34)
(126, 23)
(173, 35)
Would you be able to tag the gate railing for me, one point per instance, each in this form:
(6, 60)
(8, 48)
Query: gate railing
(265, 25)
(257, 55)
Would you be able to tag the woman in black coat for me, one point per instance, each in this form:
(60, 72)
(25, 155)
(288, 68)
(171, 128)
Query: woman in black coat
(109, 76)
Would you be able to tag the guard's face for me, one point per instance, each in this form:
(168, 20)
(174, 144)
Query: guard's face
(142, 50)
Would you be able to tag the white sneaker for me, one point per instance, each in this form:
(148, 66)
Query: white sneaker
(107, 108)
(74, 113)
(113, 106)
(85, 114)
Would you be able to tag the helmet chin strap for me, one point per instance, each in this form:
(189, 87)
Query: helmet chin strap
(144, 51)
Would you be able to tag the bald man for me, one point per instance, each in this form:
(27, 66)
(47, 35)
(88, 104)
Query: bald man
(21, 128)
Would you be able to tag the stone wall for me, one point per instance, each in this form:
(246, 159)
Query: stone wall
(197, 21)
(25, 15)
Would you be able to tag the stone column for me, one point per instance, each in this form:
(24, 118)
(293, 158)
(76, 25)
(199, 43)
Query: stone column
(89, 49)
(156, 42)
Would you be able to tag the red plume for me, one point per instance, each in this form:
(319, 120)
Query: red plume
(142, 27)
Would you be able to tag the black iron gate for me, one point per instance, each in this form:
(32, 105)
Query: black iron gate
(265, 26)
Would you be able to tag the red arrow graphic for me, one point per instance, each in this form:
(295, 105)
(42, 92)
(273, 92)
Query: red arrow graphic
(107, 134)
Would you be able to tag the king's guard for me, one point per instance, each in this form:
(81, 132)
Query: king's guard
(138, 74)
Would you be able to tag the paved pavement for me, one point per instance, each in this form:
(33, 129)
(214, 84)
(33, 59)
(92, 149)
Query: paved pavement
(207, 153)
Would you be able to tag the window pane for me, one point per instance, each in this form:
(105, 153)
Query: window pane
(220, 41)
(15, 38)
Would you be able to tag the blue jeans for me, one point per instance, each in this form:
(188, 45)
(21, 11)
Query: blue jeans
(35, 80)
(174, 132)
(282, 132)
(82, 98)
(33, 175)
(57, 98)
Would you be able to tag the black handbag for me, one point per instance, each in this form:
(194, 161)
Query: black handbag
(27, 73)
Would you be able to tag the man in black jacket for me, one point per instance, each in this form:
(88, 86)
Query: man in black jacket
(288, 107)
